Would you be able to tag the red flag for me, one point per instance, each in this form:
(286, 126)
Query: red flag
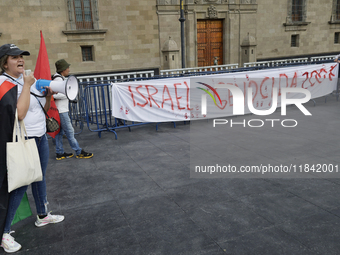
(42, 71)
(42, 68)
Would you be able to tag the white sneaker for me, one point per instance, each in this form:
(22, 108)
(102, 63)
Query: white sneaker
(49, 219)
(9, 244)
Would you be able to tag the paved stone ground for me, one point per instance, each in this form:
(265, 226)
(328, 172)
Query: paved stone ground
(135, 196)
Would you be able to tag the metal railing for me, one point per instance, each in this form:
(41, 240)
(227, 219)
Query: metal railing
(198, 69)
(322, 58)
(274, 63)
(115, 76)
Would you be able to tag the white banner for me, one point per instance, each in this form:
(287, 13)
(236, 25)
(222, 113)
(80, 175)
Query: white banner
(176, 99)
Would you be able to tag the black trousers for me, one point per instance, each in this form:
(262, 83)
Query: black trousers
(4, 197)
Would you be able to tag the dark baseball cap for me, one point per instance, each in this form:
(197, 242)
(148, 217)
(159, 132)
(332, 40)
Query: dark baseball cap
(12, 50)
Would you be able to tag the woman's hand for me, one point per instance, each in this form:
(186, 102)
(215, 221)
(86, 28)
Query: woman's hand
(24, 99)
(50, 92)
(29, 79)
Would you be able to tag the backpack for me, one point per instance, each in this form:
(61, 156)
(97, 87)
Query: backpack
(57, 75)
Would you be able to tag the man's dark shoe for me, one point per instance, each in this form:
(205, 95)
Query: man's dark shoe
(84, 154)
(64, 155)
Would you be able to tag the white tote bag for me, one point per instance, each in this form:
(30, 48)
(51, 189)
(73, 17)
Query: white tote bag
(23, 162)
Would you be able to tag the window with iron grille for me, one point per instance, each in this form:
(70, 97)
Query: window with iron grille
(337, 37)
(87, 53)
(337, 10)
(297, 15)
(294, 41)
(83, 17)
(335, 15)
(83, 14)
(297, 10)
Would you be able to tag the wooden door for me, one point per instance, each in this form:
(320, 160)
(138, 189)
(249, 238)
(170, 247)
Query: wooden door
(209, 42)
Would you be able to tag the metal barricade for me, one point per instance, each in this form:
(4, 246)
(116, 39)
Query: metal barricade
(98, 110)
(97, 103)
(77, 112)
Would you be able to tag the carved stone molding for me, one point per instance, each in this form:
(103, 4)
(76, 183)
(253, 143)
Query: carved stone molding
(212, 12)
(197, 2)
(85, 35)
(296, 26)
(248, 1)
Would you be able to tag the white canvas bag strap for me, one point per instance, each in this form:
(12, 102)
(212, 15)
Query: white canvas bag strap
(16, 127)
(22, 128)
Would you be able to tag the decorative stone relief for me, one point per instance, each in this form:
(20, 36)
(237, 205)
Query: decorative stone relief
(248, 1)
(212, 12)
(167, 2)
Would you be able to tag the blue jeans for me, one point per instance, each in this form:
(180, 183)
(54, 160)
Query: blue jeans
(66, 127)
(38, 188)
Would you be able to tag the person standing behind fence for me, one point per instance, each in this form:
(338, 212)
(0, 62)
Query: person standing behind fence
(61, 101)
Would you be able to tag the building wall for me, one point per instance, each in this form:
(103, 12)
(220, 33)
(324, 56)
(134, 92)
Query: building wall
(273, 38)
(130, 34)
(239, 18)
(265, 20)
(130, 41)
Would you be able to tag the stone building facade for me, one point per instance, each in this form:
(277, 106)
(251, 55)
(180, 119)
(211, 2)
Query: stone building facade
(98, 36)
(120, 35)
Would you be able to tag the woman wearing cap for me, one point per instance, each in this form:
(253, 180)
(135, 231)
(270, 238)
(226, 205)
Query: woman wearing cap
(15, 88)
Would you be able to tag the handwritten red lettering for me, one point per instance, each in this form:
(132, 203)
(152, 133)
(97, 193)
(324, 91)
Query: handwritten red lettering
(169, 98)
(132, 97)
(282, 75)
(266, 90)
(146, 101)
(256, 88)
(294, 81)
(177, 97)
(307, 75)
(150, 98)
(188, 94)
(331, 72)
